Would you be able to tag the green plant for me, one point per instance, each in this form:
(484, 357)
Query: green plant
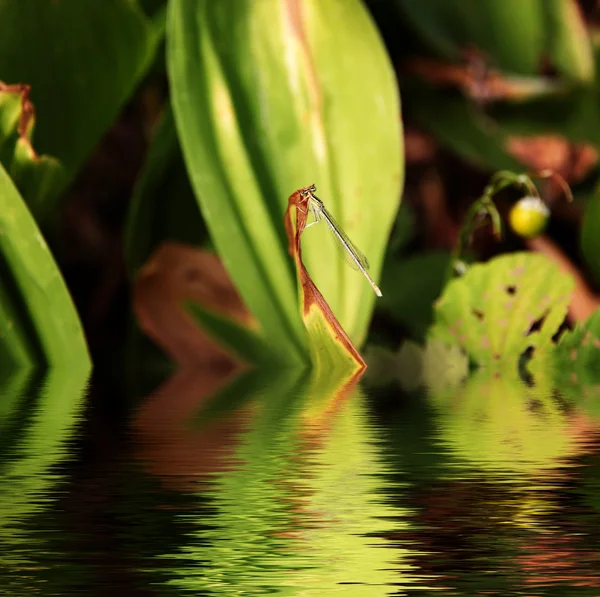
(499, 309)
(262, 110)
(38, 322)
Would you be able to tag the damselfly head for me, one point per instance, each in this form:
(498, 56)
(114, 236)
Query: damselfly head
(307, 191)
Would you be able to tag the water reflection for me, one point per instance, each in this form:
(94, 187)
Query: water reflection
(256, 483)
(39, 415)
(290, 493)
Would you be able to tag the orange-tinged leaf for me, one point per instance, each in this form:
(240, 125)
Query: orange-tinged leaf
(219, 330)
(329, 344)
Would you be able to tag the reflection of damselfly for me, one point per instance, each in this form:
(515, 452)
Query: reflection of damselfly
(351, 254)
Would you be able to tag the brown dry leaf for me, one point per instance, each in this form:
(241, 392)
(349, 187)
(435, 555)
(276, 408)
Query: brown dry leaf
(573, 161)
(176, 273)
(419, 147)
(27, 117)
(329, 343)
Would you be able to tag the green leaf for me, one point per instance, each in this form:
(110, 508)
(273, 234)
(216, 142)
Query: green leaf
(456, 123)
(36, 177)
(39, 317)
(82, 59)
(163, 206)
(577, 355)
(569, 43)
(412, 286)
(499, 309)
(509, 32)
(589, 236)
(265, 102)
(243, 342)
(575, 115)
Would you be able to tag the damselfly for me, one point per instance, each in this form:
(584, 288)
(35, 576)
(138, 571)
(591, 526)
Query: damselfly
(349, 250)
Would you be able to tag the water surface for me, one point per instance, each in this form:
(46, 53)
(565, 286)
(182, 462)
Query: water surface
(269, 485)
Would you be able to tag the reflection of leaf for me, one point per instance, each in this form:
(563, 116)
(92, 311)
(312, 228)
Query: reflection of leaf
(499, 423)
(14, 385)
(296, 506)
(330, 346)
(266, 102)
(499, 309)
(25, 465)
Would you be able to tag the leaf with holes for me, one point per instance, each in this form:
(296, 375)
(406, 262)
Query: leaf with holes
(499, 309)
(577, 355)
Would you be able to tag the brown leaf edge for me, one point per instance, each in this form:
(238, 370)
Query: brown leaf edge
(176, 273)
(27, 118)
(310, 295)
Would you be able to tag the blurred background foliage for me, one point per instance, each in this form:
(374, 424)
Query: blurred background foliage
(128, 124)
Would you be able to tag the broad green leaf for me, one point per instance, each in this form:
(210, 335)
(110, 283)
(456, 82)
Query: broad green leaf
(569, 43)
(500, 424)
(163, 206)
(589, 236)
(511, 32)
(40, 315)
(243, 342)
(499, 309)
(82, 59)
(164, 209)
(265, 101)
